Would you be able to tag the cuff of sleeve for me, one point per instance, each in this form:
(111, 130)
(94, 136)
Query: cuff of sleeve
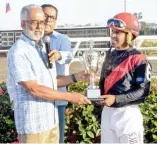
(24, 79)
(119, 101)
(66, 58)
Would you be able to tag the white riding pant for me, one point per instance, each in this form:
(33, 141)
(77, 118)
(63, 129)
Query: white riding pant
(122, 125)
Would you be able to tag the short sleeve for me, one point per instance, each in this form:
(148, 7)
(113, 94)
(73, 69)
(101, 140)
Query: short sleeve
(65, 50)
(20, 67)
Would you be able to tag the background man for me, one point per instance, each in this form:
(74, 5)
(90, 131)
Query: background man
(61, 54)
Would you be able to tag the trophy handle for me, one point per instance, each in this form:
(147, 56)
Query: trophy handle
(81, 60)
(80, 57)
(100, 64)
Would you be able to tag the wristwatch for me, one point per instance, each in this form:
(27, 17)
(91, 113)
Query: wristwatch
(73, 78)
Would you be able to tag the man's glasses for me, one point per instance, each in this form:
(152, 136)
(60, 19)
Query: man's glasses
(35, 23)
(52, 18)
(116, 23)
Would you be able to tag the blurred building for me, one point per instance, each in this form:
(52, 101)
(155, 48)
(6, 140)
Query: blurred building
(8, 38)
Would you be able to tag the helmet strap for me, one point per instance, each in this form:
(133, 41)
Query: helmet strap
(129, 37)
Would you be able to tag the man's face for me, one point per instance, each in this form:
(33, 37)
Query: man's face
(34, 26)
(50, 21)
(118, 39)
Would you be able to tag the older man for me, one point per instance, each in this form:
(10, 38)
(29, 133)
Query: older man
(32, 85)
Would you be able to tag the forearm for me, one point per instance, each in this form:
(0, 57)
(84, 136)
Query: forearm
(131, 96)
(68, 80)
(64, 81)
(41, 91)
(47, 93)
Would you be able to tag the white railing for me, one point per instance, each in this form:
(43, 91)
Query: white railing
(77, 50)
(139, 40)
(3, 51)
(78, 41)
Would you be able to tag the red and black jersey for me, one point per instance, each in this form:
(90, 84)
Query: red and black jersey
(127, 75)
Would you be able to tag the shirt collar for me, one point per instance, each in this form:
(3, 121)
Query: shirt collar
(30, 41)
(54, 34)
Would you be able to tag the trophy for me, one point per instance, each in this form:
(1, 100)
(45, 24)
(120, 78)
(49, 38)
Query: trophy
(91, 61)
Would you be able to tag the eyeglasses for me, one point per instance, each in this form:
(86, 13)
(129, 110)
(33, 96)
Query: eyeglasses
(35, 23)
(116, 23)
(53, 18)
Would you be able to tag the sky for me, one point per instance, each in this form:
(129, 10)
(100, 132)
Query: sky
(79, 11)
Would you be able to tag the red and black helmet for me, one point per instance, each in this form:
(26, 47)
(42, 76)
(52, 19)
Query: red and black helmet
(125, 22)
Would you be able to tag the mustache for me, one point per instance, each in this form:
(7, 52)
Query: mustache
(38, 31)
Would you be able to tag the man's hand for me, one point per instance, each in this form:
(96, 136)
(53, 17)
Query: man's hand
(82, 76)
(77, 98)
(108, 100)
(54, 55)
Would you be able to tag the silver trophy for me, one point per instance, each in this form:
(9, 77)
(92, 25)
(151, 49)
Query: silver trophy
(91, 61)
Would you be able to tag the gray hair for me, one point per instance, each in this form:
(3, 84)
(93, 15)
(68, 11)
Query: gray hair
(25, 10)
